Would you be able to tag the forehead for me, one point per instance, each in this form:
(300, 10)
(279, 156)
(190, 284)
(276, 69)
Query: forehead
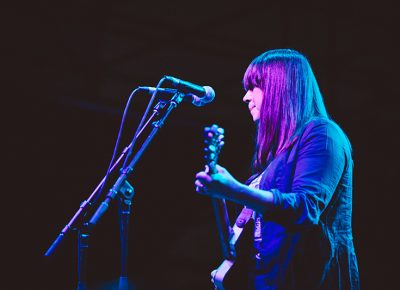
(252, 77)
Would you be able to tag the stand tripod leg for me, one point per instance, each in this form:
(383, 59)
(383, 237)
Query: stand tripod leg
(125, 202)
(83, 245)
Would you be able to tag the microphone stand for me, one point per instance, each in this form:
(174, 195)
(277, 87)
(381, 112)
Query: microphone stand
(124, 210)
(127, 193)
(83, 208)
(83, 229)
(173, 103)
(126, 190)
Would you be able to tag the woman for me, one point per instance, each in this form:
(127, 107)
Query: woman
(301, 192)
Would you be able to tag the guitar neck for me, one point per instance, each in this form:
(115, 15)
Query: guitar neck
(223, 225)
(214, 141)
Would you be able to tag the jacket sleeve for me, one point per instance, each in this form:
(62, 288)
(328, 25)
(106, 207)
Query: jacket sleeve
(319, 167)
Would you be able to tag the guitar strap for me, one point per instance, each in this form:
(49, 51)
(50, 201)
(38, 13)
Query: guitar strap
(247, 213)
(244, 216)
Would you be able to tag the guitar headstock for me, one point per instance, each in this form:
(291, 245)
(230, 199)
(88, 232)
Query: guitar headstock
(214, 141)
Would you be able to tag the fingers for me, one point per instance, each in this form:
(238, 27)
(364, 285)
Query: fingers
(198, 183)
(202, 180)
(203, 177)
(200, 188)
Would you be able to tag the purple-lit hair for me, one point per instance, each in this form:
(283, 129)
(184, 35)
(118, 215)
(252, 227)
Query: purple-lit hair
(291, 99)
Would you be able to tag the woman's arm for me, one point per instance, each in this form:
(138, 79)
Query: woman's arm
(319, 167)
(224, 185)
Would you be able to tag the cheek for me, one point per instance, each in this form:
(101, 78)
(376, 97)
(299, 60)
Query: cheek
(258, 98)
(258, 102)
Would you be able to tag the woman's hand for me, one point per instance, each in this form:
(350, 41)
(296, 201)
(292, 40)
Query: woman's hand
(219, 185)
(223, 185)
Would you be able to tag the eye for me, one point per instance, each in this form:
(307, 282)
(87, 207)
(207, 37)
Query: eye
(250, 87)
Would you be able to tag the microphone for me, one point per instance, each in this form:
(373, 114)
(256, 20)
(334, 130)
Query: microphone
(200, 95)
(164, 91)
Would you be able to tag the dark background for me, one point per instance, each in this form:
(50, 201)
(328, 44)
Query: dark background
(70, 67)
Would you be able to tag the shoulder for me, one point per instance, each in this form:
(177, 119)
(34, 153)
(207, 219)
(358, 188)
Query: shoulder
(325, 129)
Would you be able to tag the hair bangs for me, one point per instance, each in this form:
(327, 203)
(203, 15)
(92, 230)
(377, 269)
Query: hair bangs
(252, 77)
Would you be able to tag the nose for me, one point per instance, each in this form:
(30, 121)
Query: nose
(247, 97)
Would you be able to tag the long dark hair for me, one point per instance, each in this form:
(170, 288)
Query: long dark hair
(291, 99)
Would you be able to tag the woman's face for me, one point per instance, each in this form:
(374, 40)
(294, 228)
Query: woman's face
(254, 98)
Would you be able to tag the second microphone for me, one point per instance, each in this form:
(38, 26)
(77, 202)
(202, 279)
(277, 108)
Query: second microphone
(201, 94)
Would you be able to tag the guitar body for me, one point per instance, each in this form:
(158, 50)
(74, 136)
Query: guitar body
(233, 272)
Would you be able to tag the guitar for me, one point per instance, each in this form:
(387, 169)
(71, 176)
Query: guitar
(235, 241)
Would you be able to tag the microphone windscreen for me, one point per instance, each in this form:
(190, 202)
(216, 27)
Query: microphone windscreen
(207, 98)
